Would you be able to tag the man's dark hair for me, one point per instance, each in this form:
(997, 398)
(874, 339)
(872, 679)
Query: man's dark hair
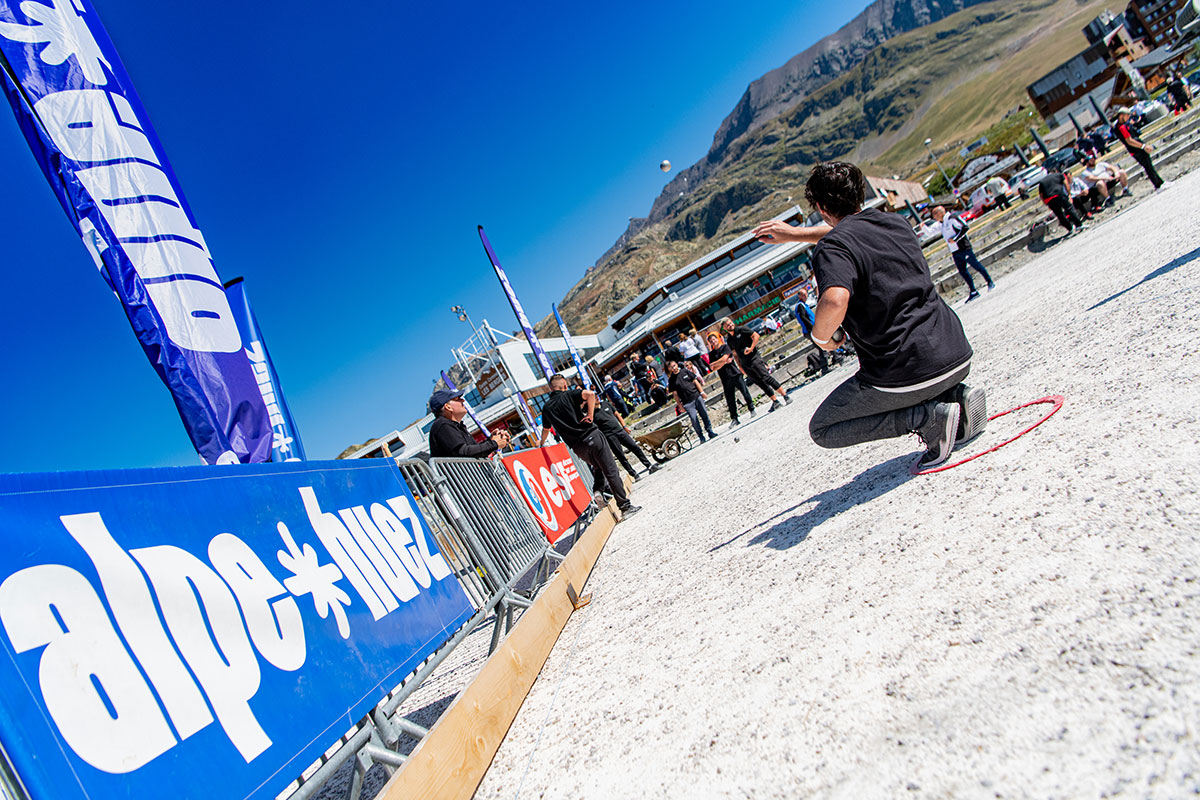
(837, 186)
(558, 376)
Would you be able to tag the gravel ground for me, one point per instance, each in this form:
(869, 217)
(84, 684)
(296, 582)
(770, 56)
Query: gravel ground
(783, 621)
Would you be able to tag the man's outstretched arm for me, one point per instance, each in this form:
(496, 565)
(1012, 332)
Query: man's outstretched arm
(776, 231)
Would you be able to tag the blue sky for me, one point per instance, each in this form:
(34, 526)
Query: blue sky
(339, 158)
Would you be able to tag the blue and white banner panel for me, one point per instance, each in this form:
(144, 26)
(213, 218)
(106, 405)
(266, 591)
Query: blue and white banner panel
(535, 343)
(92, 138)
(207, 632)
(285, 441)
(562, 326)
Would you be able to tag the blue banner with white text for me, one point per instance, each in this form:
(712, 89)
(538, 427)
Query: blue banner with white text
(92, 138)
(285, 441)
(207, 632)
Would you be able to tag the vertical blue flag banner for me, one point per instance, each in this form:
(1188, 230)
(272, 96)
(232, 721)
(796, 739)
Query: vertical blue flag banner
(450, 385)
(285, 437)
(207, 632)
(562, 326)
(538, 352)
(91, 136)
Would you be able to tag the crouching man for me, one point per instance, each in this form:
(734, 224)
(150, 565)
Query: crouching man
(912, 351)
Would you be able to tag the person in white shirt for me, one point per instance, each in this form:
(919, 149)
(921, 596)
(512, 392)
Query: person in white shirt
(954, 231)
(1085, 197)
(997, 187)
(1104, 176)
(688, 349)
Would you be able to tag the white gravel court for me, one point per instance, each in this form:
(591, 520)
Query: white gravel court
(783, 621)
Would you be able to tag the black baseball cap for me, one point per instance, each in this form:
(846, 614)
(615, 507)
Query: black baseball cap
(439, 399)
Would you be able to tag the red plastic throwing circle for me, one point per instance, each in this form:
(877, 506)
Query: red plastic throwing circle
(1056, 399)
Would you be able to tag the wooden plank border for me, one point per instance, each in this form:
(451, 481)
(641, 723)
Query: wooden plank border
(450, 762)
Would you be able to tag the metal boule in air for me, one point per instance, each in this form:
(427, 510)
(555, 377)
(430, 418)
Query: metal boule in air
(665, 166)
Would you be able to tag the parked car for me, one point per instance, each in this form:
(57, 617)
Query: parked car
(1024, 180)
(781, 316)
(1061, 160)
(759, 325)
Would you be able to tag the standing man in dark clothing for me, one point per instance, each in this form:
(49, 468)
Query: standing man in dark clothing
(641, 375)
(744, 343)
(689, 391)
(612, 393)
(571, 413)
(1054, 193)
(1136, 147)
(1178, 89)
(613, 426)
(912, 351)
(954, 231)
(720, 358)
(449, 438)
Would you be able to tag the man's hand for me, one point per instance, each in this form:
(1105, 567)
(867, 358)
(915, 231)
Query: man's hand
(748, 350)
(776, 231)
(704, 395)
(501, 438)
(588, 417)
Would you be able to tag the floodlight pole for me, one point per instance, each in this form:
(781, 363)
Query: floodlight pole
(945, 177)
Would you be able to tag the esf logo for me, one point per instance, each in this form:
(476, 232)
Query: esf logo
(538, 504)
(551, 488)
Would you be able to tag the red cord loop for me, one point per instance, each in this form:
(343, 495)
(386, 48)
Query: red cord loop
(1056, 399)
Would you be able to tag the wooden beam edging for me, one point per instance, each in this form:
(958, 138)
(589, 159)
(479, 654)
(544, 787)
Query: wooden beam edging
(451, 760)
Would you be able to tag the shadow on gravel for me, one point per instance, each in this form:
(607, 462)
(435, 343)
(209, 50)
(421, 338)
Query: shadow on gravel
(866, 486)
(1173, 264)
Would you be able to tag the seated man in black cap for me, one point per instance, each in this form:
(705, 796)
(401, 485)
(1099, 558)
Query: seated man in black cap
(571, 413)
(449, 438)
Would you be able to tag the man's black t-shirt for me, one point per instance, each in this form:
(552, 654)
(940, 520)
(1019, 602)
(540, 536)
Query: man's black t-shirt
(903, 331)
(741, 338)
(684, 382)
(1126, 131)
(639, 368)
(1054, 183)
(606, 420)
(563, 412)
(729, 371)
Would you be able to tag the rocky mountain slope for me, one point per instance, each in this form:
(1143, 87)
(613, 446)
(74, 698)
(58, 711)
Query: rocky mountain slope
(871, 92)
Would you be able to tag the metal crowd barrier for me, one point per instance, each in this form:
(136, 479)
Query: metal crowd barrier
(491, 541)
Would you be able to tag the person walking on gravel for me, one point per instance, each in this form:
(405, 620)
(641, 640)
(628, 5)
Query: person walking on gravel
(912, 351)
(954, 231)
(612, 425)
(744, 343)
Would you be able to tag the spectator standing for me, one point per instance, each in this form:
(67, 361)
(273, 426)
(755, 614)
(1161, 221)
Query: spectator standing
(1054, 193)
(720, 358)
(687, 349)
(954, 231)
(614, 395)
(449, 438)
(701, 347)
(612, 424)
(639, 368)
(1180, 93)
(571, 414)
(998, 189)
(803, 312)
(1139, 150)
(744, 343)
(689, 392)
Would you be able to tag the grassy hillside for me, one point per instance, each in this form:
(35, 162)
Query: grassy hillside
(948, 81)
